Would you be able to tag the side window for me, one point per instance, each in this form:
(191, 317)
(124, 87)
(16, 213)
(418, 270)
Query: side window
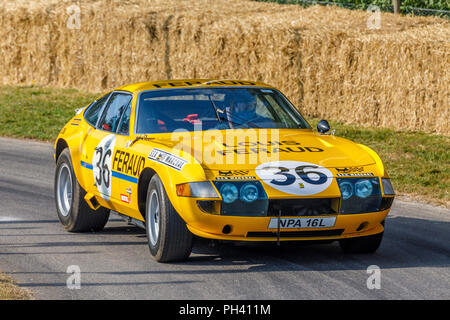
(93, 111)
(114, 110)
(124, 125)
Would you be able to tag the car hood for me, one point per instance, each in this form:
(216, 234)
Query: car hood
(247, 149)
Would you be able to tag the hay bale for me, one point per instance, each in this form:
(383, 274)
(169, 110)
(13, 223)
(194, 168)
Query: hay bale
(325, 59)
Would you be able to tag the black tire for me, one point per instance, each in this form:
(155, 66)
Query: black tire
(79, 217)
(368, 244)
(173, 241)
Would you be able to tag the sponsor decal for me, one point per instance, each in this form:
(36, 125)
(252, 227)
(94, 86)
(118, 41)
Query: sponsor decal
(286, 223)
(125, 198)
(254, 147)
(128, 163)
(167, 159)
(228, 173)
(350, 170)
(234, 175)
(236, 178)
(295, 177)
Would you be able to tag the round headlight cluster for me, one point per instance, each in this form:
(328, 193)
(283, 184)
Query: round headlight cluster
(229, 192)
(362, 189)
(346, 190)
(248, 193)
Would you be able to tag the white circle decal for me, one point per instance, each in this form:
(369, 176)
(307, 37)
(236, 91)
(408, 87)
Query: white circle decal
(101, 163)
(295, 177)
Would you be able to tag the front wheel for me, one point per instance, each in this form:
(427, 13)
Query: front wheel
(168, 237)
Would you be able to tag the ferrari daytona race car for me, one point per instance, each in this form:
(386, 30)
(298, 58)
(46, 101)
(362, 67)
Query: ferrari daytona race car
(217, 159)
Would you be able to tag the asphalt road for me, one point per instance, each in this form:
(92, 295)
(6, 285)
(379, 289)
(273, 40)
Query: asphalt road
(414, 257)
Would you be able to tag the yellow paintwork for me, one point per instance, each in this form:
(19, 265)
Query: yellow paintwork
(82, 139)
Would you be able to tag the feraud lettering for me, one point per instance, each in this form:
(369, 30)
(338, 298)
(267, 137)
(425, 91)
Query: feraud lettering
(128, 163)
(269, 147)
(175, 84)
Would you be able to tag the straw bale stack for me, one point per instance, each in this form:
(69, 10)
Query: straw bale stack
(326, 60)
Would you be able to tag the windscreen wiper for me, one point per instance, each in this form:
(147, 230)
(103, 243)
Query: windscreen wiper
(216, 110)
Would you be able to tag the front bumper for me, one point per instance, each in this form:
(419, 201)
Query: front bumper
(256, 228)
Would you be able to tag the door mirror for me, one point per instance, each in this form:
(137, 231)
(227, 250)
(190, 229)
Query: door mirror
(323, 126)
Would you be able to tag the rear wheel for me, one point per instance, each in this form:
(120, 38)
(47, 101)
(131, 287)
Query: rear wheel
(368, 244)
(73, 211)
(168, 237)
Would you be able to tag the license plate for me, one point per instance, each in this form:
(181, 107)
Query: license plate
(289, 223)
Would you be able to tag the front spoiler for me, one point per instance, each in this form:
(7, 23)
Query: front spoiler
(346, 227)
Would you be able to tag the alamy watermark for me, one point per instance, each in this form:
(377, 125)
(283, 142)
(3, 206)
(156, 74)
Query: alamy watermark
(374, 280)
(74, 19)
(74, 280)
(374, 21)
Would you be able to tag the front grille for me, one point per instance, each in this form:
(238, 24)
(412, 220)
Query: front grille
(296, 234)
(301, 207)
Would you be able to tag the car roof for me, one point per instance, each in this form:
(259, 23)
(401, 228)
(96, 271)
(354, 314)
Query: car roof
(189, 83)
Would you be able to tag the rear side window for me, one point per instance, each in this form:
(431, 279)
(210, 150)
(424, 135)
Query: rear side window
(117, 105)
(93, 111)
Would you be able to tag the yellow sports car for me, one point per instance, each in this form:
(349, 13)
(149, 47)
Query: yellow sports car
(218, 159)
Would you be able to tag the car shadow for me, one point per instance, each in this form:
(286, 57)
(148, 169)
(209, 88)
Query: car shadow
(407, 243)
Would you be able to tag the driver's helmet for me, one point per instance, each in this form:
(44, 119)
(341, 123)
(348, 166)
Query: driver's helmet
(244, 107)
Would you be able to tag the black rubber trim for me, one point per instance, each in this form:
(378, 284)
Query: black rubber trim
(296, 234)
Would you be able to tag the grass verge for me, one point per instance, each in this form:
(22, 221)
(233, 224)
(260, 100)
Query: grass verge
(418, 163)
(10, 291)
(38, 113)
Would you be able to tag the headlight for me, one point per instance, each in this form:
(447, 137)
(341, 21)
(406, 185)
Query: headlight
(249, 192)
(242, 198)
(387, 186)
(202, 189)
(363, 188)
(229, 192)
(346, 190)
(359, 195)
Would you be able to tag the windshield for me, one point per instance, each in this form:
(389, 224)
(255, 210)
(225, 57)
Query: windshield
(162, 111)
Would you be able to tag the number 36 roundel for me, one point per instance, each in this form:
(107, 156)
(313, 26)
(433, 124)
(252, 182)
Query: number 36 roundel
(295, 177)
(102, 166)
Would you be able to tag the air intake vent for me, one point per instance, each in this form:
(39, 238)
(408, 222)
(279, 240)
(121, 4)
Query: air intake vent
(302, 207)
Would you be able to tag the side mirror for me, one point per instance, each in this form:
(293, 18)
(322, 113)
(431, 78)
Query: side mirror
(323, 126)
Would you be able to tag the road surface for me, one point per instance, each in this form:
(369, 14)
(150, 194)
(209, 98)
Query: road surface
(414, 257)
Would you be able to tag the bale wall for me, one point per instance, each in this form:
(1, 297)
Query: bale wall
(324, 59)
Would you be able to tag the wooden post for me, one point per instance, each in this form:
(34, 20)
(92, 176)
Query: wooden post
(396, 4)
